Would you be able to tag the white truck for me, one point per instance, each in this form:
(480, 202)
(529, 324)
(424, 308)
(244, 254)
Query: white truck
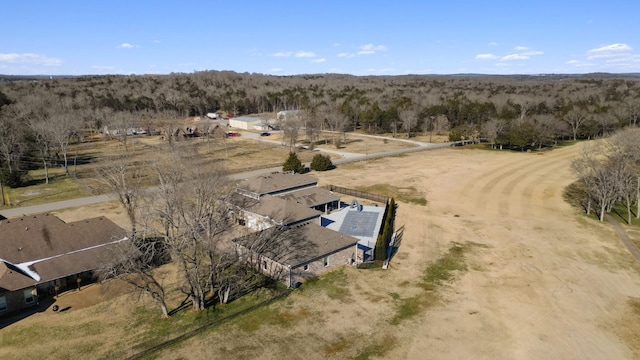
(212, 115)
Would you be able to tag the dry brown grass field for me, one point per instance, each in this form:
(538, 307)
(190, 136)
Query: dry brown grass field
(495, 265)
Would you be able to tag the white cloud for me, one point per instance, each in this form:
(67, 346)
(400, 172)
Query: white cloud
(370, 49)
(275, 70)
(126, 46)
(336, 44)
(345, 55)
(305, 54)
(486, 56)
(30, 58)
(609, 51)
(578, 63)
(521, 53)
(156, 41)
(493, 43)
(282, 54)
(320, 60)
(611, 48)
(514, 57)
(531, 53)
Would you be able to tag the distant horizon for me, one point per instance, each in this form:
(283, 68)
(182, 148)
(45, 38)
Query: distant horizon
(320, 74)
(289, 37)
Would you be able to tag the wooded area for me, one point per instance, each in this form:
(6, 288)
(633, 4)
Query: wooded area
(41, 116)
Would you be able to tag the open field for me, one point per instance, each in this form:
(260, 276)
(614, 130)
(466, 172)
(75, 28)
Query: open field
(236, 154)
(495, 265)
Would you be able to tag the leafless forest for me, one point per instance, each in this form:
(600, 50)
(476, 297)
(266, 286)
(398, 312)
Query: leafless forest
(42, 116)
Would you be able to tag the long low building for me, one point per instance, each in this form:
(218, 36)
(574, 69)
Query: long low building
(320, 233)
(41, 254)
(293, 255)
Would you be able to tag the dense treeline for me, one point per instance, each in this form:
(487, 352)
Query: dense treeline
(518, 112)
(609, 172)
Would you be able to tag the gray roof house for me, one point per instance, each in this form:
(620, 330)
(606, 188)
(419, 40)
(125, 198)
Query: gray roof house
(40, 252)
(296, 254)
(270, 210)
(276, 183)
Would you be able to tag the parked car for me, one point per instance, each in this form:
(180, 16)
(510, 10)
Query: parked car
(265, 134)
(232, 133)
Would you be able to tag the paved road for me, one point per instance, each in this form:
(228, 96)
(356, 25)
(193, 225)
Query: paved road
(34, 209)
(346, 157)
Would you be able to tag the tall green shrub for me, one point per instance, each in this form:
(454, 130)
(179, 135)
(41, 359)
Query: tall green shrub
(293, 164)
(321, 163)
(384, 237)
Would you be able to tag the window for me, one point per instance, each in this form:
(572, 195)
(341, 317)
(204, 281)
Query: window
(29, 297)
(264, 265)
(306, 267)
(3, 303)
(325, 261)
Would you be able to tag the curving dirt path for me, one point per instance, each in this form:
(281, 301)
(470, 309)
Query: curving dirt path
(548, 286)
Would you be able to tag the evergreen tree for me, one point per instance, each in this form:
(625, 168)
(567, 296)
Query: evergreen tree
(321, 163)
(293, 164)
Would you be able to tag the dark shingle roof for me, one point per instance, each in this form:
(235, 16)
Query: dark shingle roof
(311, 197)
(282, 211)
(68, 248)
(297, 245)
(275, 182)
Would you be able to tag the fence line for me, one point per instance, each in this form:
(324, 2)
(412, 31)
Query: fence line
(357, 193)
(215, 322)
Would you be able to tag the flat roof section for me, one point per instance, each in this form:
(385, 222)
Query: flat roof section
(359, 223)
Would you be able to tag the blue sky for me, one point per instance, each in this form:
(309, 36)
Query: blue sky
(285, 37)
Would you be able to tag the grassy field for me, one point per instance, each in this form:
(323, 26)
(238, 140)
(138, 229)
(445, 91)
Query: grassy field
(248, 315)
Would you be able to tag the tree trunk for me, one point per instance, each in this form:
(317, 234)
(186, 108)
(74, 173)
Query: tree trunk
(161, 303)
(66, 163)
(638, 199)
(602, 208)
(588, 205)
(628, 200)
(46, 170)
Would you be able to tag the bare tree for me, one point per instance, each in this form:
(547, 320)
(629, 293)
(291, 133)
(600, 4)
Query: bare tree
(12, 142)
(632, 110)
(64, 125)
(337, 123)
(123, 177)
(121, 126)
(290, 126)
(195, 219)
(492, 129)
(41, 132)
(624, 147)
(441, 124)
(135, 262)
(576, 119)
(545, 130)
(409, 119)
(599, 174)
